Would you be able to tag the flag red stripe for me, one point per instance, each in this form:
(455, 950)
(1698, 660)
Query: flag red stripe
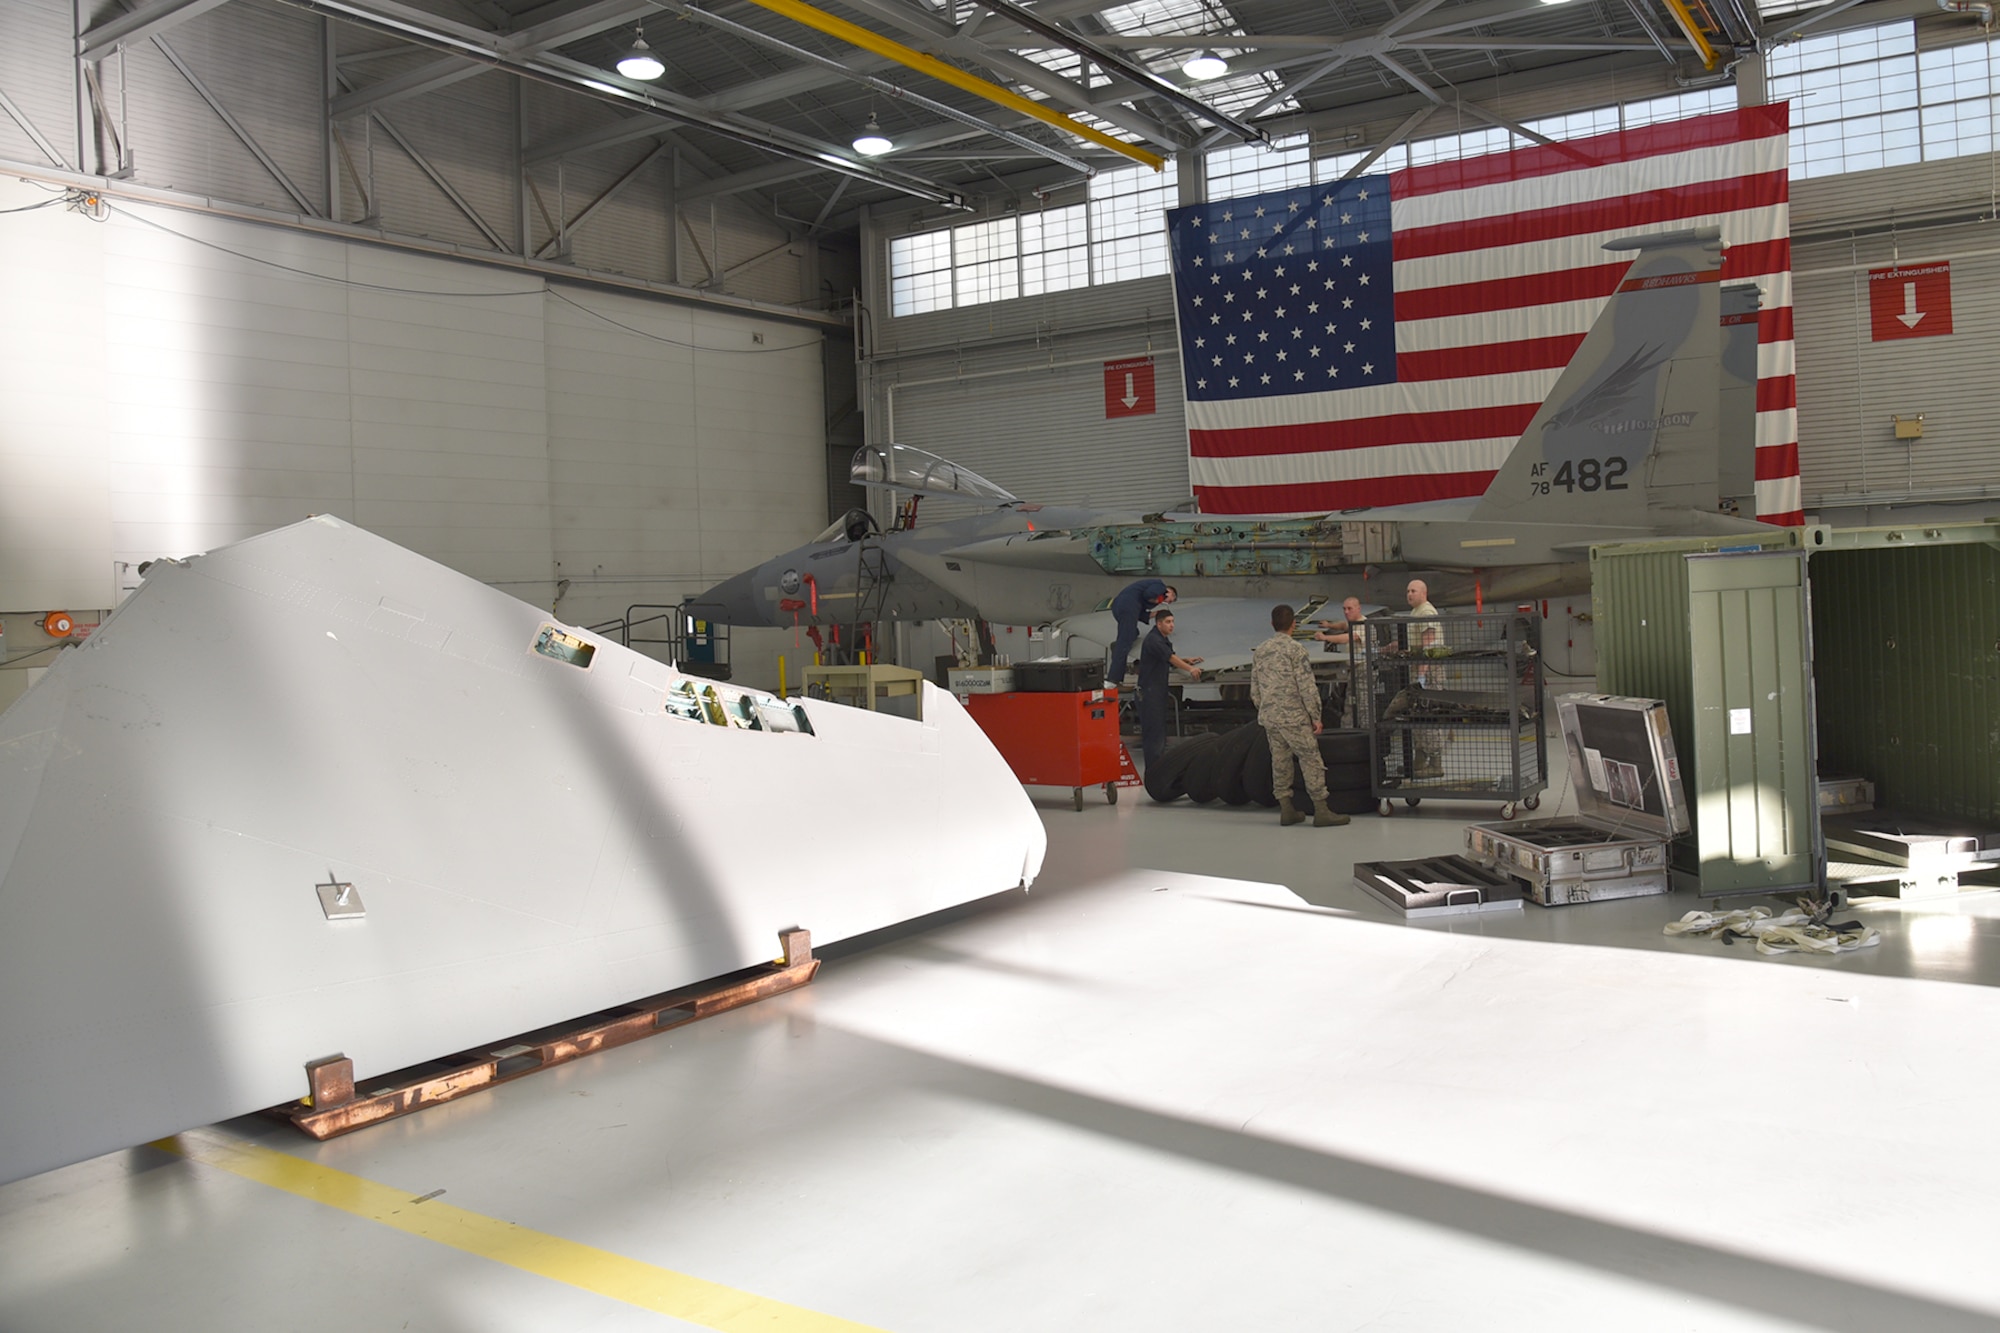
(1472, 423)
(1755, 258)
(1620, 213)
(1774, 326)
(1474, 298)
(1326, 496)
(1777, 461)
(1777, 393)
(1795, 519)
(1716, 130)
(1456, 363)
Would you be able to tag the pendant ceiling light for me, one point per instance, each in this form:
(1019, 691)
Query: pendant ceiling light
(640, 62)
(1205, 65)
(871, 142)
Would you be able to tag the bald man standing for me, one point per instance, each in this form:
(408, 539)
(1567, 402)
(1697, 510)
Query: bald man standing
(1429, 740)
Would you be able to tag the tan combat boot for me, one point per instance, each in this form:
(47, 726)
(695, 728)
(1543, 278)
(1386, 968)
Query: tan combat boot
(1323, 816)
(1288, 813)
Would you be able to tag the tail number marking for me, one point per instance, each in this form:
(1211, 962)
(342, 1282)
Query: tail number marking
(1583, 474)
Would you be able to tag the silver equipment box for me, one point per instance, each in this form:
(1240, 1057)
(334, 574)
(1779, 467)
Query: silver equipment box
(1438, 886)
(980, 680)
(1630, 806)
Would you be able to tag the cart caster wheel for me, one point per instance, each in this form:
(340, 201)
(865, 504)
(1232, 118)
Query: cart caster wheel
(1413, 801)
(1076, 798)
(1507, 811)
(1386, 809)
(1111, 792)
(1532, 803)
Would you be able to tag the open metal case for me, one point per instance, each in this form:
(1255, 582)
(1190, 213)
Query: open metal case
(1630, 806)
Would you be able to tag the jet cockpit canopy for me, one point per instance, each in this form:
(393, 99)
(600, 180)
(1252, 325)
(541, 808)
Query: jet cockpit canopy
(852, 526)
(923, 473)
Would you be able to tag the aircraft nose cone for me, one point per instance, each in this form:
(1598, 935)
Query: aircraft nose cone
(734, 601)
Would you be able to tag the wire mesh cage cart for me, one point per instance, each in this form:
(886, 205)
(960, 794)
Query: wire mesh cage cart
(1453, 708)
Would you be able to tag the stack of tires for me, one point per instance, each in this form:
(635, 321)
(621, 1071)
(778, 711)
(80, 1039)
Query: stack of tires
(1235, 767)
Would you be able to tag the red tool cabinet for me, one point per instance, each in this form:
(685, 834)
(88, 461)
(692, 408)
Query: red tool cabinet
(1055, 740)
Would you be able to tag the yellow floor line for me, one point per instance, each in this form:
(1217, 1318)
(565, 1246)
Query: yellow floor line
(650, 1288)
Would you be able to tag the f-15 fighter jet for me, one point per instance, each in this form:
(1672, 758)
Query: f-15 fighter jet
(1630, 445)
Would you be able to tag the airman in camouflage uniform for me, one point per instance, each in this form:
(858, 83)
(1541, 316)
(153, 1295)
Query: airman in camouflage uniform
(1287, 699)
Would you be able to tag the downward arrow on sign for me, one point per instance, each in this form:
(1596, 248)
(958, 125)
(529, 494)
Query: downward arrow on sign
(1910, 314)
(1131, 398)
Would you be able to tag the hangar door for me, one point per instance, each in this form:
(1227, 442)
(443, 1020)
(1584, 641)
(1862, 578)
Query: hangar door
(1756, 796)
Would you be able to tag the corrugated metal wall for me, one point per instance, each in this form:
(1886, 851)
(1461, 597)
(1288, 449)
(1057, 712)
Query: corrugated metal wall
(1907, 643)
(1850, 386)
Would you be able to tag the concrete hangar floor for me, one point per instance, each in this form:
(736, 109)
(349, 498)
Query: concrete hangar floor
(1193, 1080)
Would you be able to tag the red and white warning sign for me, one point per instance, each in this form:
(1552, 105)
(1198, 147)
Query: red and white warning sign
(1910, 302)
(1128, 388)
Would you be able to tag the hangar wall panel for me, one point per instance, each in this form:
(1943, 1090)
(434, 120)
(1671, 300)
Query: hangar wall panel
(166, 391)
(677, 448)
(55, 510)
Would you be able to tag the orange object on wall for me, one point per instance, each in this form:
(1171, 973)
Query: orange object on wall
(1054, 740)
(58, 624)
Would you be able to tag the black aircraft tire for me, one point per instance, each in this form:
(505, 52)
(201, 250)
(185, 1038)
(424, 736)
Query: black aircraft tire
(1351, 802)
(1203, 779)
(1348, 777)
(1164, 778)
(1257, 769)
(1230, 759)
(1341, 802)
(1343, 747)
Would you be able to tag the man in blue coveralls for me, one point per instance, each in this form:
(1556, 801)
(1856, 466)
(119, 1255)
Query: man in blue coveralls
(1132, 607)
(1156, 655)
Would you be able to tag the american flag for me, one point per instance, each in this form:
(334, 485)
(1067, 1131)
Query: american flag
(1387, 339)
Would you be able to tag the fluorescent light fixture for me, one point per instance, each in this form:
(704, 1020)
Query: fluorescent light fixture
(640, 62)
(871, 142)
(1205, 65)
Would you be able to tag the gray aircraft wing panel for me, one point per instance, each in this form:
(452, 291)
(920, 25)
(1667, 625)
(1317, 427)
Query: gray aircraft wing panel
(533, 837)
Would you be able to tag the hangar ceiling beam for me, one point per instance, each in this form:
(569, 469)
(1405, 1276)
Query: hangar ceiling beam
(421, 29)
(138, 24)
(243, 136)
(529, 41)
(612, 191)
(20, 117)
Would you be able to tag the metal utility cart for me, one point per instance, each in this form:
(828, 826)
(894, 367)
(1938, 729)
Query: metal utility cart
(1453, 707)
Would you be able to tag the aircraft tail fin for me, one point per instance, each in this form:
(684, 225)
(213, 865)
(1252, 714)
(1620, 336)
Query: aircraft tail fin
(1632, 426)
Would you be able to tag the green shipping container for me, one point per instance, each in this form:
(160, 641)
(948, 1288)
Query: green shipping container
(1871, 652)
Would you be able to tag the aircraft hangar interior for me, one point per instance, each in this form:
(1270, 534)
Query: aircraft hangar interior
(991, 665)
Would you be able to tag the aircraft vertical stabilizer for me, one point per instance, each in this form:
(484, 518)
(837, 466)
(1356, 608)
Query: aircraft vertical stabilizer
(1632, 427)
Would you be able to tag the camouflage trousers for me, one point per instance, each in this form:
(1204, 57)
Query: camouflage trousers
(1296, 740)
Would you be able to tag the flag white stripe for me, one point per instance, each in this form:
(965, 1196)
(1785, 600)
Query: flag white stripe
(1591, 184)
(1559, 254)
(1780, 495)
(1497, 326)
(1303, 409)
(1393, 460)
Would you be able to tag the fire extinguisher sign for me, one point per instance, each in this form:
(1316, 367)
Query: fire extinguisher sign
(1912, 302)
(1128, 388)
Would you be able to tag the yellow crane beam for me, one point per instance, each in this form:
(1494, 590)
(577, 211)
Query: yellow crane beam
(859, 36)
